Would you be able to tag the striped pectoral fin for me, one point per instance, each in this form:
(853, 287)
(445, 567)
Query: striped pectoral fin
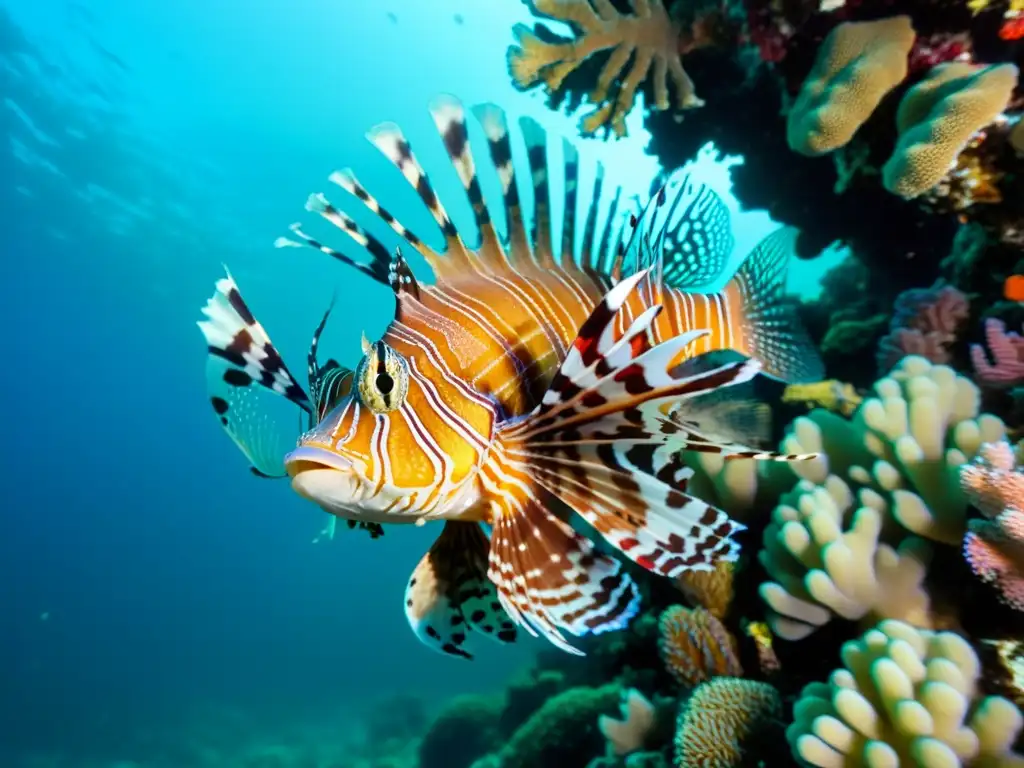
(770, 329)
(550, 578)
(449, 597)
(246, 379)
(601, 440)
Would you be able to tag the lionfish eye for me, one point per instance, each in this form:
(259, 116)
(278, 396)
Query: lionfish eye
(383, 378)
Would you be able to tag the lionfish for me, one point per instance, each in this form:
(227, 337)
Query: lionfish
(541, 394)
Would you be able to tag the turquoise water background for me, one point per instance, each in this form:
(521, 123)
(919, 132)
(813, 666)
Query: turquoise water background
(145, 575)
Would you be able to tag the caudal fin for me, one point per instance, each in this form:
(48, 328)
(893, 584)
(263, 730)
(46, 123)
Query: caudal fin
(449, 595)
(771, 332)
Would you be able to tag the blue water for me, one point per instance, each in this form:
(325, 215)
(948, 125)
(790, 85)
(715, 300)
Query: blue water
(148, 583)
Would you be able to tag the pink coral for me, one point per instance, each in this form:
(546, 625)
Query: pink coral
(925, 323)
(939, 48)
(1007, 352)
(994, 545)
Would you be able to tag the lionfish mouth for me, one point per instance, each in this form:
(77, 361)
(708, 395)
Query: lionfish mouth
(322, 476)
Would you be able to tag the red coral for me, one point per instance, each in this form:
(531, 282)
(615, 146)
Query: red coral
(938, 49)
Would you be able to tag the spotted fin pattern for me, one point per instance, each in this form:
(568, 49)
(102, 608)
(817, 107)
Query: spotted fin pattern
(243, 366)
(449, 596)
(598, 442)
(684, 235)
(772, 330)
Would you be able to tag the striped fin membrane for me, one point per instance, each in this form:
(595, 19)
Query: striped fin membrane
(518, 247)
(598, 443)
(247, 376)
(449, 597)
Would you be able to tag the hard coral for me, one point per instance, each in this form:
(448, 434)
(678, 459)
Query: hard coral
(994, 545)
(1007, 350)
(857, 65)
(905, 697)
(695, 646)
(649, 37)
(725, 721)
(462, 732)
(925, 323)
(937, 118)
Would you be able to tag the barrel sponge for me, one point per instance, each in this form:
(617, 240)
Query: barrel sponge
(904, 697)
(936, 119)
(857, 65)
(823, 550)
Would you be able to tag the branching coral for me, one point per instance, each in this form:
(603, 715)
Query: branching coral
(826, 559)
(904, 446)
(1007, 350)
(994, 545)
(839, 544)
(925, 323)
(937, 118)
(695, 646)
(722, 719)
(857, 65)
(906, 697)
(649, 38)
(629, 733)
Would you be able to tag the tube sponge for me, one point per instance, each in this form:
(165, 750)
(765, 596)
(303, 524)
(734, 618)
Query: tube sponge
(937, 118)
(857, 65)
(905, 697)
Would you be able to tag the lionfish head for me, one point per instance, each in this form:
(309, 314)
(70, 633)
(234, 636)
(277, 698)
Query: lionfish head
(379, 453)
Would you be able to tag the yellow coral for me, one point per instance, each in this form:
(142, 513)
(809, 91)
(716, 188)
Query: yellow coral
(906, 697)
(857, 65)
(717, 724)
(937, 118)
(648, 37)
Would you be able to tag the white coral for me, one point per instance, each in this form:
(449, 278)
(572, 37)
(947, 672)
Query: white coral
(826, 559)
(906, 697)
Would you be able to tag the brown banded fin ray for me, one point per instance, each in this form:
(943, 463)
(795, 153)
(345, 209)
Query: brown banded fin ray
(248, 382)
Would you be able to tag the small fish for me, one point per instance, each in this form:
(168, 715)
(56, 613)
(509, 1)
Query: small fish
(1013, 288)
(537, 388)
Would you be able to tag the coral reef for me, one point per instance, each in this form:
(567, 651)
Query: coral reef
(925, 323)
(855, 537)
(905, 697)
(695, 646)
(1007, 353)
(647, 36)
(726, 720)
(994, 545)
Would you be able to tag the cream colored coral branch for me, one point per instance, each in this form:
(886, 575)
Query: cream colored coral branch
(649, 37)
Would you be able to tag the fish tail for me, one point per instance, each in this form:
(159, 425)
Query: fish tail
(769, 328)
(600, 442)
(246, 377)
(449, 595)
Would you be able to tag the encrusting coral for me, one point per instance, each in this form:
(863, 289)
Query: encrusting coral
(723, 720)
(857, 65)
(850, 540)
(649, 38)
(937, 118)
(905, 697)
(695, 646)
(994, 545)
